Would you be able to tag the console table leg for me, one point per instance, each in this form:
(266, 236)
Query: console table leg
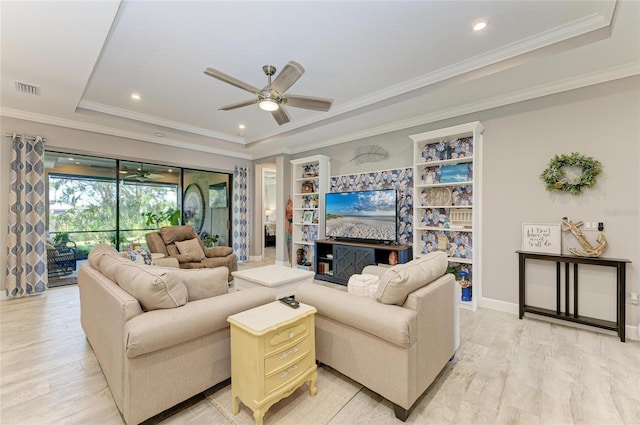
(521, 284)
(558, 288)
(575, 290)
(622, 292)
(566, 288)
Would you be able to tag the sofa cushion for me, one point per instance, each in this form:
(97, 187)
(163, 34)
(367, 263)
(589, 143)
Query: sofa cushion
(172, 234)
(218, 251)
(391, 323)
(191, 248)
(109, 263)
(153, 287)
(203, 283)
(96, 254)
(160, 329)
(400, 280)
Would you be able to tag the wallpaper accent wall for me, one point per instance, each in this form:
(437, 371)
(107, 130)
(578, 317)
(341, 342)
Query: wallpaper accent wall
(400, 179)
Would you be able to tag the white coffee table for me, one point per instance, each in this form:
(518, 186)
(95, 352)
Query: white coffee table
(283, 280)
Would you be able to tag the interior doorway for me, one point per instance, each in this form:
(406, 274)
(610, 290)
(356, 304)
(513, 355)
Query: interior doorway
(269, 214)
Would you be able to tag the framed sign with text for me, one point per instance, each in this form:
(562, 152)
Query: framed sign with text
(542, 237)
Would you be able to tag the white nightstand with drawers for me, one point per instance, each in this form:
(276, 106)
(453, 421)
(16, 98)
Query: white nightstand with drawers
(272, 354)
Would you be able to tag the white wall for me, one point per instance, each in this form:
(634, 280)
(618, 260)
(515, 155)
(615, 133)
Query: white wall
(76, 141)
(602, 121)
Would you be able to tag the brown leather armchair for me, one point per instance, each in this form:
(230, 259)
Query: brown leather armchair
(164, 242)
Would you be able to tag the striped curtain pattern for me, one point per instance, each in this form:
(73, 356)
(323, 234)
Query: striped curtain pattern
(241, 213)
(26, 245)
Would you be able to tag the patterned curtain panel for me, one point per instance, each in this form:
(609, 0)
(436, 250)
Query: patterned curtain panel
(27, 256)
(241, 213)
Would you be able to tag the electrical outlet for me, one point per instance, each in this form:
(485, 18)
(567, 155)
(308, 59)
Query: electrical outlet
(633, 298)
(600, 226)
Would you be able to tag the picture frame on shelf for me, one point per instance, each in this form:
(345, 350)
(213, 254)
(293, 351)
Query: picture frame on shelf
(545, 238)
(307, 217)
(307, 187)
(456, 173)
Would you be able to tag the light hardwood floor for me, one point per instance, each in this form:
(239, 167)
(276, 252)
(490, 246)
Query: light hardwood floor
(507, 371)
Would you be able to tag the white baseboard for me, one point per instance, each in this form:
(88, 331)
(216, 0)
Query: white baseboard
(632, 332)
(255, 258)
(283, 263)
(494, 304)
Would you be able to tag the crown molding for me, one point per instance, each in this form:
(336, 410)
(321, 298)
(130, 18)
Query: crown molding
(577, 28)
(584, 80)
(149, 119)
(61, 122)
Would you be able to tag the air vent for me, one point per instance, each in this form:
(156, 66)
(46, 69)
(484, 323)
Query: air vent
(27, 88)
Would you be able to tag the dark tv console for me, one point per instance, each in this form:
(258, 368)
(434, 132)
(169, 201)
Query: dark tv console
(336, 261)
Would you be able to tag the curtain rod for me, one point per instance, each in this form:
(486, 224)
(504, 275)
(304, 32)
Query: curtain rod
(31, 138)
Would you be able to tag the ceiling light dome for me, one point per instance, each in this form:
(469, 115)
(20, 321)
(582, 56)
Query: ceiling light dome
(480, 25)
(268, 104)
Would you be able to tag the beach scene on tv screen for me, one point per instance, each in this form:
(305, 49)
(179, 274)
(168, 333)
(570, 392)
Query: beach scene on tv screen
(362, 215)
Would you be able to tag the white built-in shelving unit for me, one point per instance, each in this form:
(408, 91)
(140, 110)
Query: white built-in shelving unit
(447, 198)
(310, 182)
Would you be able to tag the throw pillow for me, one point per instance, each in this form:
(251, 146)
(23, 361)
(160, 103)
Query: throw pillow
(203, 283)
(399, 281)
(153, 287)
(140, 255)
(364, 285)
(192, 248)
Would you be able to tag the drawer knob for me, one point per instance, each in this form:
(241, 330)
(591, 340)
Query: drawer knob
(288, 353)
(288, 371)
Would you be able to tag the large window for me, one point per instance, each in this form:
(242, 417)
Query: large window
(98, 200)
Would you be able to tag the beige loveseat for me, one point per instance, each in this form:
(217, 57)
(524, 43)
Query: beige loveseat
(168, 344)
(397, 341)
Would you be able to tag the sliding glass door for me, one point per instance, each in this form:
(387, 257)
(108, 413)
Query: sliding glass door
(93, 200)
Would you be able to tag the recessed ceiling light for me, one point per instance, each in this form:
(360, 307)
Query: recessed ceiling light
(170, 170)
(135, 96)
(77, 162)
(158, 134)
(241, 127)
(70, 159)
(480, 25)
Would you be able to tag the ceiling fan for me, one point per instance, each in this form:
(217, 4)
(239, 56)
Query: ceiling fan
(139, 174)
(272, 98)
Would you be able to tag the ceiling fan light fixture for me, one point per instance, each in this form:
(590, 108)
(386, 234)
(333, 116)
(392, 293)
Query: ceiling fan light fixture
(268, 105)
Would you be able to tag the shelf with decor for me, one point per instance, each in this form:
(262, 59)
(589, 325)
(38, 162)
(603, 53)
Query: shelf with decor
(310, 181)
(446, 212)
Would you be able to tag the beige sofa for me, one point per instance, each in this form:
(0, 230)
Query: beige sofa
(397, 341)
(168, 344)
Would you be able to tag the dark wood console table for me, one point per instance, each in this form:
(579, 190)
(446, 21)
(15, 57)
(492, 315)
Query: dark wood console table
(620, 266)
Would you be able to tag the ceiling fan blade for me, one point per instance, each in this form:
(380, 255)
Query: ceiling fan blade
(231, 80)
(287, 77)
(308, 102)
(280, 115)
(237, 105)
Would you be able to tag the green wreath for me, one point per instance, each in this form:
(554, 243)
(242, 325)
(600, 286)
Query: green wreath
(555, 179)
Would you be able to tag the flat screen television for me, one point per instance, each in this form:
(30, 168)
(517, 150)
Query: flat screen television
(368, 215)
